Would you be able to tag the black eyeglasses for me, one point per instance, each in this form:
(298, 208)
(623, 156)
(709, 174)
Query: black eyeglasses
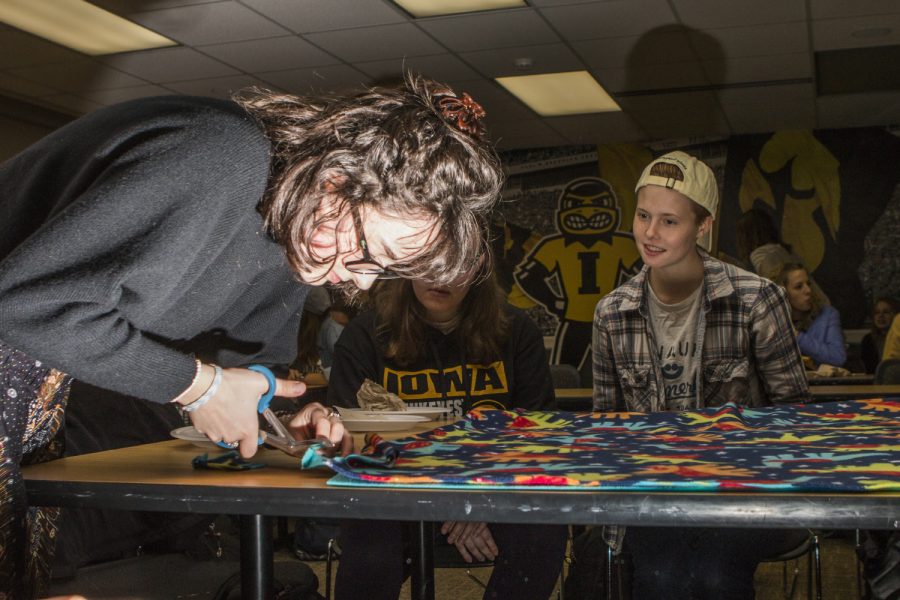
(366, 265)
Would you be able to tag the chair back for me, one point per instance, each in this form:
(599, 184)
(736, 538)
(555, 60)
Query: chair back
(888, 372)
(565, 376)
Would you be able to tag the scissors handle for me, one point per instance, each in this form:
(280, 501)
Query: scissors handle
(266, 398)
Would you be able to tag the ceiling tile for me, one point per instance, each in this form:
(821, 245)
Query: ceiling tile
(127, 7)
(615, 18)
(216, 87)
(550, 58)
(759, 68)
(495, 29)
(78, 76)
(526, 134)
(755, 40)
(542, 3)
(211, 23)
(761, 95)
(22, 49)
(273, 54)
(712, 14)
(770, 116)
(17, 85)
(376, 43)
(653, 77)
(71, 104)
(835, 34)
(604, 128)
(858, 110)
(442, 67)
(668, 124)
(666, 45)
(163, 65)
(320, 79)
(122, 94)
(831, 9)
(306, 16)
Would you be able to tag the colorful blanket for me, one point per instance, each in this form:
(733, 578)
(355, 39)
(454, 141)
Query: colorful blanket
(851, 446)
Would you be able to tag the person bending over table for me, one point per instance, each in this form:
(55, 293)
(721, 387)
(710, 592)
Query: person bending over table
(818, 327)
(146, 241)
(467, 348)
(690, 331)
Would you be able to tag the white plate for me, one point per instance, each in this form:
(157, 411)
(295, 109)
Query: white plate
(189, 434)
(379, 422)
(424, 411)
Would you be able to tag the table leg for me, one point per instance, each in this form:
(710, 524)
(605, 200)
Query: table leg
(423, 561)
(257, 558)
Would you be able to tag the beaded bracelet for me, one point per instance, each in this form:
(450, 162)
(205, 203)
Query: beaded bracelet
(209, 393)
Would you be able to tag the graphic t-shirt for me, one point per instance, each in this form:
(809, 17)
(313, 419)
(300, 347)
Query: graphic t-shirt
(675, 329)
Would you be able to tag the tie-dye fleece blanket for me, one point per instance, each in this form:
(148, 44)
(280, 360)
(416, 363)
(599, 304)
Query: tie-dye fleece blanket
(851, 446)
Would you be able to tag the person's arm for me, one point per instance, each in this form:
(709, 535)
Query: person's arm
(775, 347)
(824, 340)
(607, 394)
(533, 384)
(355, 360)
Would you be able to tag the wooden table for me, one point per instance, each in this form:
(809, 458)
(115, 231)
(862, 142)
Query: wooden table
(159, 477)
(851, 379)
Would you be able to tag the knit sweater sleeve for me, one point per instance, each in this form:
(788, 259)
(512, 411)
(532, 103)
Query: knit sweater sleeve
(137, 225)
(355, 360)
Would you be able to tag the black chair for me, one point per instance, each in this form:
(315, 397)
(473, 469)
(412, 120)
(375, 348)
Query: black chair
(565, 376)
(888, 372)
(809, 547)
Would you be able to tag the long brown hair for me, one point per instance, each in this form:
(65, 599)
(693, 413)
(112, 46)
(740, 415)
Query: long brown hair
(807, 318)
(404, 151)
(482, 331)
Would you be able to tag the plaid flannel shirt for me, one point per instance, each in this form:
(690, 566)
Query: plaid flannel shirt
(749, 353)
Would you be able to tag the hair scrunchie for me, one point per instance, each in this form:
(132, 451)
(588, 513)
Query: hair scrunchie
(463, 113)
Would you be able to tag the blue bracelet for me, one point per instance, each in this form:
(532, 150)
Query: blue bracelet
(209, 393)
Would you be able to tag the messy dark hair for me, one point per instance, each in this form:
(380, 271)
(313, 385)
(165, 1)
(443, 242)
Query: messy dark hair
(399, 150)
(483, 327)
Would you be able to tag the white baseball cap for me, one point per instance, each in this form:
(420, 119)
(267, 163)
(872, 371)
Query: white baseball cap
(696, 181)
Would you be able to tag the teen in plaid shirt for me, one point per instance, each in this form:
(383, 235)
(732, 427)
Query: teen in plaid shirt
(691, 331)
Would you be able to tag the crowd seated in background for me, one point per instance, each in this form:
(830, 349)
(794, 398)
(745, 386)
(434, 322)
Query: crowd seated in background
(818, 327)
(761, 250)
(872, 346)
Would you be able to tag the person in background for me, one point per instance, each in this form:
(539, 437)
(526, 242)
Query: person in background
(485, 353)
(761, 250)
(308, 360)
(690, 331)
(818, 327)
(872, 346)
(156, 247)
(337, 318)
(892, 340)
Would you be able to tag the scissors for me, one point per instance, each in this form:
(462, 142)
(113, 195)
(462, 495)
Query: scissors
(282, 438)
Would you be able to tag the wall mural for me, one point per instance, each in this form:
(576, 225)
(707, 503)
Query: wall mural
(563, 233)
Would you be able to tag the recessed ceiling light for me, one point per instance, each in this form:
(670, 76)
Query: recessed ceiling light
(79, 25)
(871, 32)
(555, 94)
(434, 8)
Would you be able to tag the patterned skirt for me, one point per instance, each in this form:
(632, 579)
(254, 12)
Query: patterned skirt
(32, 405)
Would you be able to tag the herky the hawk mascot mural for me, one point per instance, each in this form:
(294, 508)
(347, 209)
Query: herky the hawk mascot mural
(567, 273)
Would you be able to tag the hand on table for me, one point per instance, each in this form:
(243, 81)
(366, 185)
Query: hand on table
(315, 420)
(231, 414)
(473, 540)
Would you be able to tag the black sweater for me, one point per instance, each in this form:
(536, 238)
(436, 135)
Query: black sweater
(130, 239)
(520, 379)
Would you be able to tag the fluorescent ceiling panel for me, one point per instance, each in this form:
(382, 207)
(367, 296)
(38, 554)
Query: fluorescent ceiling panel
(434, 8)
(79, 25)
(556, 94)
